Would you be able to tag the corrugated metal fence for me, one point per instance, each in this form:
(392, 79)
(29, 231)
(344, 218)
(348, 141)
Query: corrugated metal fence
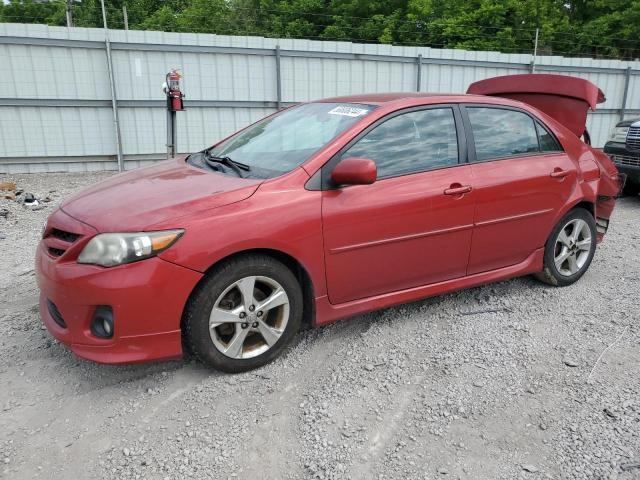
(56, 104)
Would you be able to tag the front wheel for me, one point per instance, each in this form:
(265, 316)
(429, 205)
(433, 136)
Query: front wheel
(243, 314)
(569, 249)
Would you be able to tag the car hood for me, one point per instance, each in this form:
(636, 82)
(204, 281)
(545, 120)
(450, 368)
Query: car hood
(159, 194)
(629, 123)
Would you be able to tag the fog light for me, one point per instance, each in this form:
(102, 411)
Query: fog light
(106, 326)
(102, 323)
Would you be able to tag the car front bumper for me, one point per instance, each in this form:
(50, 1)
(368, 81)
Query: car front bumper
(147, 299)
(626, 161)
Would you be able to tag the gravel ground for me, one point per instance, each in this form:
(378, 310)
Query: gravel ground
(488, 383)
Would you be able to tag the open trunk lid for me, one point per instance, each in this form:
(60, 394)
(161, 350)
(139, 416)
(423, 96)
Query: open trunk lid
(564, 98)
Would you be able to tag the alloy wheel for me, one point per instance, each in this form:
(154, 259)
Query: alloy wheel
(572, 247)
(249, 317)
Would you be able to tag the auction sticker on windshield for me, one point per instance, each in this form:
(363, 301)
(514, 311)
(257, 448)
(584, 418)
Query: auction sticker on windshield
(348, 111)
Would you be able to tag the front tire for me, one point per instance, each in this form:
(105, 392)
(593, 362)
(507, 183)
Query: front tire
(569, 249)
(243, 314)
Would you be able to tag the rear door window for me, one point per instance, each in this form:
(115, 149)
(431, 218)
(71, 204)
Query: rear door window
(501, 133)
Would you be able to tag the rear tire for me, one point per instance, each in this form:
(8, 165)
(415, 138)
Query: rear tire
(569, 249)
(243, 314)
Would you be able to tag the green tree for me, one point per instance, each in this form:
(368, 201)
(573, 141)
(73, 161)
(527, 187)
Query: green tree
(164, 19)
(28, 11)
(600, 28)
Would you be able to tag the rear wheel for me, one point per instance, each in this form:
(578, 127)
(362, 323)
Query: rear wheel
(569, 249)
(243, 314)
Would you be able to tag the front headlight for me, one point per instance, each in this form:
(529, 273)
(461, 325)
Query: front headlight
(110, 249)
(619, 134)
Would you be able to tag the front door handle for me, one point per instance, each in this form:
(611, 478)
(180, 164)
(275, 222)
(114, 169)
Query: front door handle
(457, 189)
(559, 173)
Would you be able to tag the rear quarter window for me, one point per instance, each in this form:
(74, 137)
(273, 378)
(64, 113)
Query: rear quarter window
(548, 142)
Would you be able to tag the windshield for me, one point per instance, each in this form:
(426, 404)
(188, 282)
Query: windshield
(280, 143)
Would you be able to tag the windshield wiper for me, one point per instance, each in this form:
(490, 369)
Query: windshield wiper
(236, 166)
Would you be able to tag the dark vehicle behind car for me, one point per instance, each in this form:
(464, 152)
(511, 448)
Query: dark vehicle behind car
(624, 149)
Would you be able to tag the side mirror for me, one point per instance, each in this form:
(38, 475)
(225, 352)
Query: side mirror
(354, 171)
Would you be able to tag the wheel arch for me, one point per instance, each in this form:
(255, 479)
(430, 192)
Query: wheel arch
(293, 264)
(579, 202)
(586, 205)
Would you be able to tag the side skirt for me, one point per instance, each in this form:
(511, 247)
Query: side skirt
(327, 313)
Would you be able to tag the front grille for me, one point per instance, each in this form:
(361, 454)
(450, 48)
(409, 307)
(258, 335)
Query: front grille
(64, 236)
(630, 160)
(633, 138)
(55, 249)
(55, 314)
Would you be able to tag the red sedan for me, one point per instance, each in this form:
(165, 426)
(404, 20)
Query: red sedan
(326, 210)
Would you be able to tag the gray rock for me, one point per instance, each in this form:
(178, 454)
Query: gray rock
(570, 361)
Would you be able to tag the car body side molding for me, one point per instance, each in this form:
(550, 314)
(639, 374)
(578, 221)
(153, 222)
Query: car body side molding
(493, 221)
(383, 241)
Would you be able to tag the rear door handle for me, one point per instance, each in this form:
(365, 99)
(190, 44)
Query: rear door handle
(457, 189)
(559, 173)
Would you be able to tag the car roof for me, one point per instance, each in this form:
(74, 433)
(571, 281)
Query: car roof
(399, 100)
(385, 98)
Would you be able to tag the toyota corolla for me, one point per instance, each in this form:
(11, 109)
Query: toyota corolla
(326, 210)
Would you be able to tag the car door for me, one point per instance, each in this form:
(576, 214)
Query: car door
(521, 178)
(413, 225)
